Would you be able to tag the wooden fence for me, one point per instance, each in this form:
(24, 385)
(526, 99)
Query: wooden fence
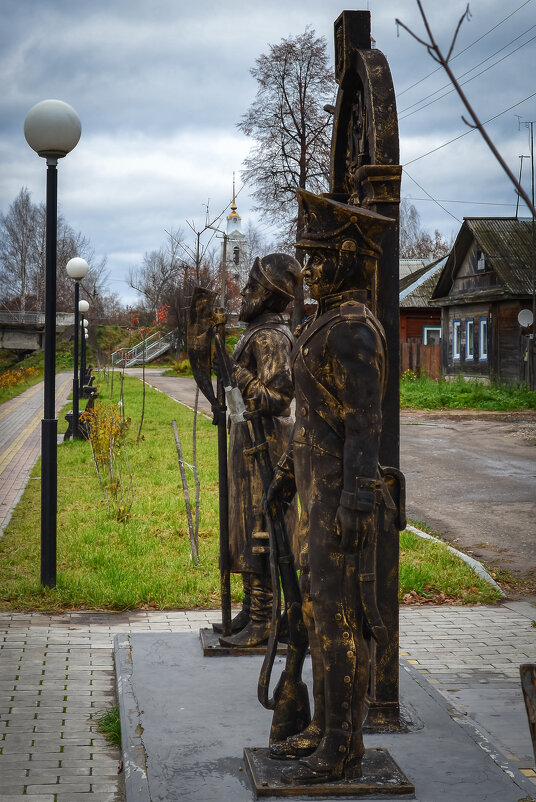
(422, 359)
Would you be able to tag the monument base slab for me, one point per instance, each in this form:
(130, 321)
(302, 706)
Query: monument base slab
(381, 776)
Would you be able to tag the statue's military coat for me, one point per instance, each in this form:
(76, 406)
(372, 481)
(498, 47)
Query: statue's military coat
(264, 376)
(339, 369)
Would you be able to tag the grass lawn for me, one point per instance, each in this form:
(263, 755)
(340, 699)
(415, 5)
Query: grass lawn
(423, 393)
(144, 560)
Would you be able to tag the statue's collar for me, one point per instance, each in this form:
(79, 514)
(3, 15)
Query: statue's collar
(264, 318)
(332, 301)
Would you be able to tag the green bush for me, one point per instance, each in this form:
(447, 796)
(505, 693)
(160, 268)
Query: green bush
(179, 367)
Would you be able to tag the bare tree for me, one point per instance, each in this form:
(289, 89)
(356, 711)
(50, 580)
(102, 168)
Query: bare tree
(18, 229)
(160, 273)
(292, 131)
(22, 258)
(415, 241)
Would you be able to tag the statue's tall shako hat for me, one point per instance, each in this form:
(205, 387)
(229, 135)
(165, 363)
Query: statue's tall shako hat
(349, 230)
(278, 272)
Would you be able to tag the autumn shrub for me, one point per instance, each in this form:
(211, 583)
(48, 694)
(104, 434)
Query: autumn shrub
(15, 376)
(107, 434)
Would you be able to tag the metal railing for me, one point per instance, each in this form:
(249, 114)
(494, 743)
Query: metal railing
(35, 318)
(145, 351)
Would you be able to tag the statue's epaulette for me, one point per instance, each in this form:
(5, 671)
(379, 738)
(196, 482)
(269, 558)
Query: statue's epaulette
(349, 310)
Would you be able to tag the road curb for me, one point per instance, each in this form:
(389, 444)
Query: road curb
(477, 567)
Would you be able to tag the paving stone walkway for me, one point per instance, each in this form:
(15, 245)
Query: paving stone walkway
(56, 672)
(20, 440)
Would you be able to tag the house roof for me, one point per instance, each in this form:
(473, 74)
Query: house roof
(507, 245)
(407, 267)
(416, 288)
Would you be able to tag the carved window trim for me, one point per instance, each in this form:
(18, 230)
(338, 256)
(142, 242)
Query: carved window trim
(425, 332)
(482, 339)
(456, 339)
(469, 339)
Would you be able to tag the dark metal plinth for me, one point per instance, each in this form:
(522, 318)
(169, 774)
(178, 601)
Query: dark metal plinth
(381, 776)
(212, 647)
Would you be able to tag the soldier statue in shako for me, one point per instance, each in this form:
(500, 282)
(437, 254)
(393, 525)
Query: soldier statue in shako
(339, 368)
(261, 369)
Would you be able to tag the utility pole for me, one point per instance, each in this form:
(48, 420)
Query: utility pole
(520, 174)
(529, 124)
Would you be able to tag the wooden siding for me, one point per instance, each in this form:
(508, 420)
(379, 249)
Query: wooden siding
(423, 359)
(413, 320)
(509, 365)
(469, 279)
(467, 367)
(505, 341)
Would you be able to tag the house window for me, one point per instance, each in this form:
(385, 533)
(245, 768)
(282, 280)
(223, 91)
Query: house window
(236, 254)
(483, 339)
(480, 261)
(431, 335)
(469, 339)
(456, 339)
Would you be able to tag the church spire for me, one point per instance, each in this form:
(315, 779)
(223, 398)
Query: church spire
(233, 219)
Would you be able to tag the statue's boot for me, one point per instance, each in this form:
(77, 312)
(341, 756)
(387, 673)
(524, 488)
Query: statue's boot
(345, 656)
(305, 742)
(241, 618)
(257, 630)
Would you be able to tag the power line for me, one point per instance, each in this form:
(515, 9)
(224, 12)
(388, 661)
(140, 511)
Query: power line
(403, 92)
(432, 198)
(470, 130)
(469, 203)
(446, 86)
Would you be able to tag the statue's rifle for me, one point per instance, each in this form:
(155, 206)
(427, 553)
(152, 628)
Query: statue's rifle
(290, 701)
(202, 323)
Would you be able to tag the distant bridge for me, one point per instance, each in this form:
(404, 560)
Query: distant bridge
(25, 331)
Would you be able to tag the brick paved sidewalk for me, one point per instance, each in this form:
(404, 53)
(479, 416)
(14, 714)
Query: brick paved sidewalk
(56, 671)
(20, 440)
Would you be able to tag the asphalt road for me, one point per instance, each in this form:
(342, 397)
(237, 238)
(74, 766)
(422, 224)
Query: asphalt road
(470, 477)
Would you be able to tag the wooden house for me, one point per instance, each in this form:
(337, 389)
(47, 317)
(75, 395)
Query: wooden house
(420, 323)
(486, 281)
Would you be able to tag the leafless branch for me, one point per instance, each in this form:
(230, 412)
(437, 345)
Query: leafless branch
(193, 541)
(436, 53)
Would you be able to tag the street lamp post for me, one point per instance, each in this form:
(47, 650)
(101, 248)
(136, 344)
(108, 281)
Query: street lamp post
(77, 269)
(83, 306)
(52, 128)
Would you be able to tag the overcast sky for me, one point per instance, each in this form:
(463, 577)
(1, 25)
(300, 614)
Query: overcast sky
(159, 86)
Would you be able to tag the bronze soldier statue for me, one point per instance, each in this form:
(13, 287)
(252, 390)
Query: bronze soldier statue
(339, 365)
(261, 368)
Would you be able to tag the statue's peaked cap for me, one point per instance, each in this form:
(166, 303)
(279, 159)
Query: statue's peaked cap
(330, 224)
(278, 272)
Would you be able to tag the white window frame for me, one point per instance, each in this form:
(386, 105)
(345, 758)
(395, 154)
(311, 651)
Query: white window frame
(469, 339)
(482, 340)
(456, 339)
(426, 329)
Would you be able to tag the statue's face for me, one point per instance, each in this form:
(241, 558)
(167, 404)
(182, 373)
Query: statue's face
(253, 300)
(319, 273)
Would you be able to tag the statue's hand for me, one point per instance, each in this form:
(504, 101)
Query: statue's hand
(354, 528)
(281, 489)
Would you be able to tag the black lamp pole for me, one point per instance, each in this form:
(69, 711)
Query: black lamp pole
(52, 129)
(76, 432)
(82, 355)
(49, 424)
